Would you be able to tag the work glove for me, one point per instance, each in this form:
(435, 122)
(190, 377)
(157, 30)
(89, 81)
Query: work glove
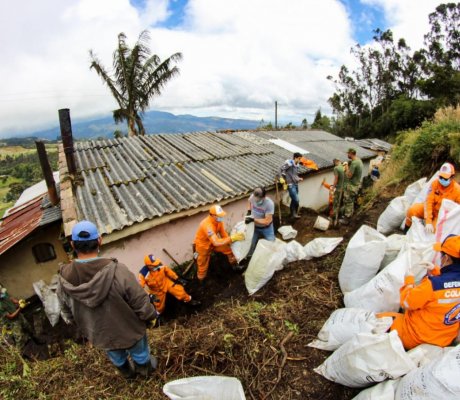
(282, 180)
(237, 237)
(429, 228)
(426, 264)
(22, 303)
(249, 219)
(181, 281)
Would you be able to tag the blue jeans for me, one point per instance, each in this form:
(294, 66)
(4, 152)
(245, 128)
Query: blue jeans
(267, 232)
(140, 353)
(293, 190)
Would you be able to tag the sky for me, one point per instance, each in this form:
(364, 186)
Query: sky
(239, 56)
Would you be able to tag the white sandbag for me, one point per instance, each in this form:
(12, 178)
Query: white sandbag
(424, 353)
(382, 391)
(294, 251)
(362, 259)
(241, 248)
(205, 388)
(395, 243)
(47, 295)
(381, 293)
(448, 222)
(367, 358)
(421, 197)
(417, 233)
(439, 379)
(344, 323)
(268, 257)
(320, 247)
(287, 232)
(414, 189)
(393, 216)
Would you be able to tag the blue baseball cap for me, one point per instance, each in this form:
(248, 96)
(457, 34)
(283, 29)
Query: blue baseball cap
(83, 231)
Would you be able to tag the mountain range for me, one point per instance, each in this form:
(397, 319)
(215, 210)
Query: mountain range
(154, 122)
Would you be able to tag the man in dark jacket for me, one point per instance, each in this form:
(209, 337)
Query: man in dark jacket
(102, 297)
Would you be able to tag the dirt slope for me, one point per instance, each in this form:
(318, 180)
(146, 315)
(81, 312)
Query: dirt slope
(260, 339)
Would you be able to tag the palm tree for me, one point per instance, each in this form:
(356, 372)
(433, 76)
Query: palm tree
(137, 77)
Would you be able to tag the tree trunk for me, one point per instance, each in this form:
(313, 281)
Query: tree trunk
(131, 127)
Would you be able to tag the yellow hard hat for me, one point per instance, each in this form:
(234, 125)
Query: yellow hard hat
(150, 259)
(217, 211)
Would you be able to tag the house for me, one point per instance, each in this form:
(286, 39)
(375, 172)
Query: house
(31, 246)
(148, 193)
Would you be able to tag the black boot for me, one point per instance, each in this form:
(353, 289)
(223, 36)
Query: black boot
(127, 370)
(145, 370)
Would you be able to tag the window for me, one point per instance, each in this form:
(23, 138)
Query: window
(43, 252)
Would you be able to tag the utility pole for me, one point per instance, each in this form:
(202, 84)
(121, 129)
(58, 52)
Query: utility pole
(276, 115)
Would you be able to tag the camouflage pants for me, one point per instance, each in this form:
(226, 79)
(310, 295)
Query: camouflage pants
(350, 192)
(338, 198)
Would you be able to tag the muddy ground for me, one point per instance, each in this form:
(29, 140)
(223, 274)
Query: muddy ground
(260, 339)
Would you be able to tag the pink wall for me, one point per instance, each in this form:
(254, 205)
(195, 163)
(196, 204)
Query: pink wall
(176, 237)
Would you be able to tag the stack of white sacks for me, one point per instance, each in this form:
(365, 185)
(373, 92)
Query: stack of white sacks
(370, 277)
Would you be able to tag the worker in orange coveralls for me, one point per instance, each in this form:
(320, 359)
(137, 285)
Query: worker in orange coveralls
(211, 236)
(158, 280)
(432, 308)
(442, 188)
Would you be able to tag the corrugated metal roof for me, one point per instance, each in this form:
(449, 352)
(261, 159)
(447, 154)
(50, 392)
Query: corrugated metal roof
(374, 144)
(131, 180)
(25, 218)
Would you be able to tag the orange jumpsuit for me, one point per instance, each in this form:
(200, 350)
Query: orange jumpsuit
(159, 281)
(430, 209)
(211, 236)
(432, 309)
(331, 197)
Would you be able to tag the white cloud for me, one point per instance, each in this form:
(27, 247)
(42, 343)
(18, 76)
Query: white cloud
(239, 56)
(407, 19)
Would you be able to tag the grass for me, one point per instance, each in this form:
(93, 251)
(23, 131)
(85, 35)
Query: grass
(15, 151)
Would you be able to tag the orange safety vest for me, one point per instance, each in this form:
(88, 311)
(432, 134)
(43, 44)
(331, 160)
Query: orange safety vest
(211, 234)
(156, 279)
(432, 309)
(436, 194)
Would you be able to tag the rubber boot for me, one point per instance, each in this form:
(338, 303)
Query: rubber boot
(145, 370)
(127, 370)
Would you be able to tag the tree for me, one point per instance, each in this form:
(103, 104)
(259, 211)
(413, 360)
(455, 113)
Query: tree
(304, 124)
(321, 122)
(137, 77)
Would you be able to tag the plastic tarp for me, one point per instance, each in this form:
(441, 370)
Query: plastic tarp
(362, 260)
(268, 257)
(205, 388)
(367, 358)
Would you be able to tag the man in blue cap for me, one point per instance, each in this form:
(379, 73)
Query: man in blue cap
(102, 297)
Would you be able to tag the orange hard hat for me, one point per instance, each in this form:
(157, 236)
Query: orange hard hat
(217, 211)
(150, 259)
(446, 170)
(450, 245)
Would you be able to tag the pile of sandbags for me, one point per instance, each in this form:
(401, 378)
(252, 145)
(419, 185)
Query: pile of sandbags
(371, 274)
